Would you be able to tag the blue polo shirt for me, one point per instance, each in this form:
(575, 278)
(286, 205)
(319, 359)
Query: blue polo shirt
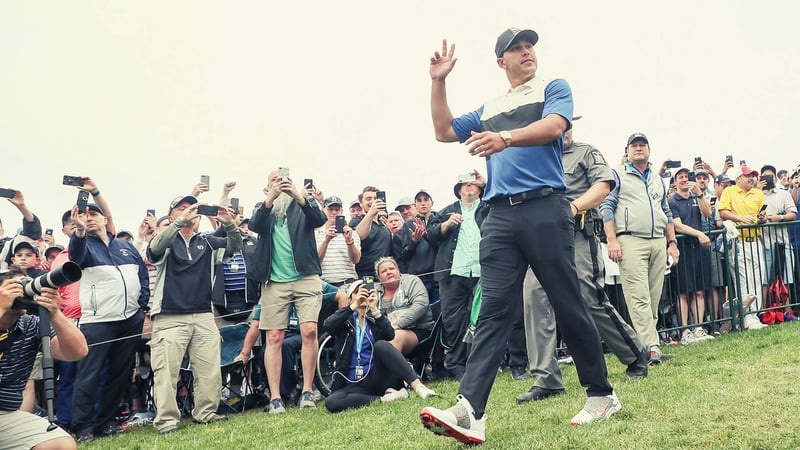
(520, 169)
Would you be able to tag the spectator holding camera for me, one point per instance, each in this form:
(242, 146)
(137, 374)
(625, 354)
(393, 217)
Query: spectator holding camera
(183, 320)
(31, 230)
(780, 208)
(113, 294)
(376, 237)
(689, 206)
(19, 344)
(338, 247)
(369, 368)
(287, 262)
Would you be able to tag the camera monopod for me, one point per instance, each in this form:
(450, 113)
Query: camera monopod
(61, 276)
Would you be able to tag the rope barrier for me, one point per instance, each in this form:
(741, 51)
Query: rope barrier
(139, 335)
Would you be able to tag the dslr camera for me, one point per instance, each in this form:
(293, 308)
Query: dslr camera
(69, 273)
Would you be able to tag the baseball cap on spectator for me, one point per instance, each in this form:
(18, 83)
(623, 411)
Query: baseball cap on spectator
(680, 171)
(743, 170)
(28, 245)
(723, 178)
(700, 172)
(178, 200)
(639, 137)
(353, 286)
(66, 218)
(404, 201)
(96, 208)
(422, 192)
(510, 35)
(457, 189)
(124, 233)
(354, 203)
(244, 221)
(333, 200)
(56, 247)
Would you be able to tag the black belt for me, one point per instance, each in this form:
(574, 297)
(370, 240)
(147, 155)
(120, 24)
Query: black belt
(523, 197)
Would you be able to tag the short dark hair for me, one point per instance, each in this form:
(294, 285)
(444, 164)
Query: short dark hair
(767, 167)
(781, 172)
(13, 270)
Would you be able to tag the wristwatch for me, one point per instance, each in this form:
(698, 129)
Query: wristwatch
(672, 241)
(506, 135)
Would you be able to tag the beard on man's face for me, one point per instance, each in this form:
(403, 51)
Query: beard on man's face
(281, 204)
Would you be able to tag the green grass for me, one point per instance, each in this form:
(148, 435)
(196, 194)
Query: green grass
(737, 391)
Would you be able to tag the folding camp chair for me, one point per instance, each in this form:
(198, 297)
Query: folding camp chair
(236, 386)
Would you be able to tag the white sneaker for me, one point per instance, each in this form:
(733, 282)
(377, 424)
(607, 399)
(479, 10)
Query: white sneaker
(391, 395)
(457, 422)
(751, 322)
(700, 334)
(688, 337)
(597, 409)
(424, 391)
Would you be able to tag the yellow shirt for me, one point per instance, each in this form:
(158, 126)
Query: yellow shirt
(742, 203)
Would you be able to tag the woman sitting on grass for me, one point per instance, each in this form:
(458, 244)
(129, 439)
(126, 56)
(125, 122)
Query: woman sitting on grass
(404, 299)
(368, 367)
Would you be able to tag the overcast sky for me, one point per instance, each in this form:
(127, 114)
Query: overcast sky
(146, 96)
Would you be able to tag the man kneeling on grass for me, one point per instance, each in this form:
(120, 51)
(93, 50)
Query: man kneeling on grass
(372, 368)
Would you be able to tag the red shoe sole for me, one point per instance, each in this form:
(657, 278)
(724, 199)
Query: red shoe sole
(437, 427)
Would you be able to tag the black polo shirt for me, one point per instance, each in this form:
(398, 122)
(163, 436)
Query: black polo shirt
(16, 363)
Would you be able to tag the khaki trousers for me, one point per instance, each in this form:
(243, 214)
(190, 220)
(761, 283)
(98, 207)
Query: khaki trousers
(642, 270)
(175, 335)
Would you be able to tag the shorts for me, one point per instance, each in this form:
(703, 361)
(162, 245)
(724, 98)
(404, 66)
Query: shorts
(20, 429)
(305, 294)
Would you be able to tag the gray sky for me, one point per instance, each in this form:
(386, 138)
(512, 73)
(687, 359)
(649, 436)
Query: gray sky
(146, 96)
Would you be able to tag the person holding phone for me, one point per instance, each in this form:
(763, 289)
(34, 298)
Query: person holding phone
(287, 263)
(376, 239)
(114, 292)
(369, 368)
(339, 248)
(181, 312)
(743, 203)
(780, 208)
(31, 229)
(689, 207)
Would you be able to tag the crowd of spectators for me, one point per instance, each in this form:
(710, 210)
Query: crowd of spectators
(174, 286)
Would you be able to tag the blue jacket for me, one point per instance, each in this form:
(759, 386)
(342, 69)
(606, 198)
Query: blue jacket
(114, 282)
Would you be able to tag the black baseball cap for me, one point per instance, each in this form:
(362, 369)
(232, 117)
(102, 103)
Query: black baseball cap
(333, 200)
(28, 245)
(510, 35)
(638, 136)
(95, 207)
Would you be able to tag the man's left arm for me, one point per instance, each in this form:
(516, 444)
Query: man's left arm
(556, 120)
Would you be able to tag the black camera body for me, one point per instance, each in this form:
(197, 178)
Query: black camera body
(69, 273)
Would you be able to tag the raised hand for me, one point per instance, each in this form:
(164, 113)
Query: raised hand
(442, 63)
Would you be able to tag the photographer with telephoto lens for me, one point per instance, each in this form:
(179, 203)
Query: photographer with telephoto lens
(20, 340)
